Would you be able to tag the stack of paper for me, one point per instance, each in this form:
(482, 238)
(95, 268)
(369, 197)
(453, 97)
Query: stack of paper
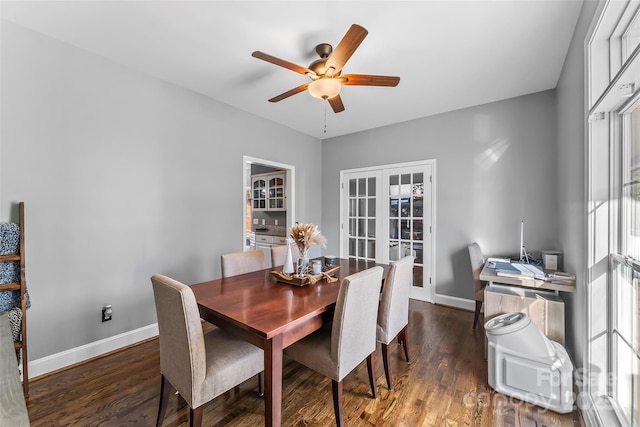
(519, 269)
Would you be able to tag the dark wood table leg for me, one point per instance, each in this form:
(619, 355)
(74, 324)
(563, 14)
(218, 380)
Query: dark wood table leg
(273, 382)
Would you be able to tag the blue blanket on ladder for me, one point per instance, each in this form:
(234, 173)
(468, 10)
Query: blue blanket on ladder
(10, 271)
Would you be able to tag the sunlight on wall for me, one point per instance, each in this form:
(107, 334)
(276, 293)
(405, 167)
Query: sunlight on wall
(484, 133)
(490, 156)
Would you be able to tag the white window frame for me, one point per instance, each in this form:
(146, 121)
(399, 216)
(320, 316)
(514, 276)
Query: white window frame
(613, 77)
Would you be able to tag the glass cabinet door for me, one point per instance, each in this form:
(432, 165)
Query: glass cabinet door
(276, 192)
(268, 192)
(259, 194)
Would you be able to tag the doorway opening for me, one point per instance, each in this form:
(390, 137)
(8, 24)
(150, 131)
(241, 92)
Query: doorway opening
(268, 199)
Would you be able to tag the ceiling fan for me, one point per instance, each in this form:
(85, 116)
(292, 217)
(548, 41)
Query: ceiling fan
(325, 73)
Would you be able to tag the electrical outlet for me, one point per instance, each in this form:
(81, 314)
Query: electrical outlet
(255, 221)
(276, 222)
(107, 313)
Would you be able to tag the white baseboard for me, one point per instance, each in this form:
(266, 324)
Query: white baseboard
(72, 356)
(69, 357)
(456, 302)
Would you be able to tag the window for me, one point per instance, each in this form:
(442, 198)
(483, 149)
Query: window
(613, 364)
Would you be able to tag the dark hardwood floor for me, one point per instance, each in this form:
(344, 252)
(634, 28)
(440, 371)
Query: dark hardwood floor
(446, 385)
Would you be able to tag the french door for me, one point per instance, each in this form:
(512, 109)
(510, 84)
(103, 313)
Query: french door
(387, 213)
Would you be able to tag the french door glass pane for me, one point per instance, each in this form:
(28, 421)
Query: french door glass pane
(417, 229)
(406, 220)
(371, 206)
(371, 248)
(393, 207)
(372, 187)
(393, 228)
(362, 221)
(362, 211)
(405, 204)
(362, 187)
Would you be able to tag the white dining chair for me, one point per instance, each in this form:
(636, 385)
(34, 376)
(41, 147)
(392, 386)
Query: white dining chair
(393, 313)
(279, 255)
(338, 348)
(200, 366)
(477, 262)
(235, 263)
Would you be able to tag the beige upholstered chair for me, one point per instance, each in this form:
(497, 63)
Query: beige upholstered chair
(279, 254)
(199, 366)
(243, 262)
(477, 262)
(393, 313)
(339, 347)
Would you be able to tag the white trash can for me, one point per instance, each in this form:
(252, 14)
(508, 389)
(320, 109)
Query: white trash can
(525, 364)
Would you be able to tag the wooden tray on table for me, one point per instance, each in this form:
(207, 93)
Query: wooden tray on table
(308, 279)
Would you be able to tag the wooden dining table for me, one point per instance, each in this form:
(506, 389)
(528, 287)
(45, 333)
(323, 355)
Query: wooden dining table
(271, 315)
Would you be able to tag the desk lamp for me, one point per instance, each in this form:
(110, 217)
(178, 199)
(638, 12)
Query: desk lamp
(523, 252)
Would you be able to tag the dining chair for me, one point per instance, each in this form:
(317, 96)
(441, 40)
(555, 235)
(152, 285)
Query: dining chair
(243, 262)
(279, 254)
(477, 262)
(337, 348)
(393, 313)
(200, 366)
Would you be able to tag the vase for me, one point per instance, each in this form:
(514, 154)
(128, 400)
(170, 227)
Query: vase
(302, 264)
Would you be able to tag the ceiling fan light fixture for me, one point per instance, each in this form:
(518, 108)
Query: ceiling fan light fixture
(324, 88)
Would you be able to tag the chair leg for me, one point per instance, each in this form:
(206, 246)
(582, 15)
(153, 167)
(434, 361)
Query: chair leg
(337, 402)
(165, 391)
(261, 383)
(385, 362)
(404, 338)
(195, 416)
(478, 307)
(372, 378)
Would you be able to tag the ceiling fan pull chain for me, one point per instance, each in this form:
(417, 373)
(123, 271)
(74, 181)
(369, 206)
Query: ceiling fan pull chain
(325, 117)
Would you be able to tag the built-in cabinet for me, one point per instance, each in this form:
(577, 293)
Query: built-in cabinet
(268, 192)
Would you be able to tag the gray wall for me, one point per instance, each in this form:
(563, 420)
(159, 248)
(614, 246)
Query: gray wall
(122, 176)
(572, 182)
(125, 175)
(496, 166)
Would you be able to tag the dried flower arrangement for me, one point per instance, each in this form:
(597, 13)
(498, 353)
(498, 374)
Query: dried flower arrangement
(305, 235)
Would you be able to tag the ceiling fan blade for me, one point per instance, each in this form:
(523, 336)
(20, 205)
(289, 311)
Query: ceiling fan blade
(336, 104)
(289, 93)
(281, 62)
(345, 49)
(368, 80)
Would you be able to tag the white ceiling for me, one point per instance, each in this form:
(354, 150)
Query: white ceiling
(448, 54)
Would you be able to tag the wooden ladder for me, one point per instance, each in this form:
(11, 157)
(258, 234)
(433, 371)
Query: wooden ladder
(22, 287)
